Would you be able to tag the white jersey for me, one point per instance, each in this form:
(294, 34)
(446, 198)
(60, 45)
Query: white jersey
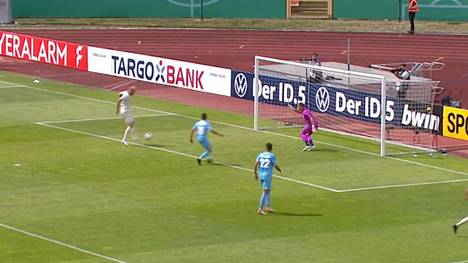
(125, 102)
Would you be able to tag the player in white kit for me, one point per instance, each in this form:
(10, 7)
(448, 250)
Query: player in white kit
(124, 108)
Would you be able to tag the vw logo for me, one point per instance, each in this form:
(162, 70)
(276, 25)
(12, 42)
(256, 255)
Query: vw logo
(192, 4)
(240, 85)
(322, 99)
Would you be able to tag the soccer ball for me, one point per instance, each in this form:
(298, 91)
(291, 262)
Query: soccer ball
(148, 136)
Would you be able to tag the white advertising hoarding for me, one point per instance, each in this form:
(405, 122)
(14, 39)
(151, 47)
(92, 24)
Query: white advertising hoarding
(160, 70)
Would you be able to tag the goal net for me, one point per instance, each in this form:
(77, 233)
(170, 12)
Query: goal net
(348, 100)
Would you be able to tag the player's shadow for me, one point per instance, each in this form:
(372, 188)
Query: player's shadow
(278, 213)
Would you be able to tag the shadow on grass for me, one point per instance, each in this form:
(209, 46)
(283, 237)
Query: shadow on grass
(295, 214)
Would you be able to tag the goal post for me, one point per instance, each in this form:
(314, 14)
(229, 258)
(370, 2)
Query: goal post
(348, 102)
(255, 93)
(383, 105)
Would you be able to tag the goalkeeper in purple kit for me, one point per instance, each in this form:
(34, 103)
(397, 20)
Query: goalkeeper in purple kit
(310, 127)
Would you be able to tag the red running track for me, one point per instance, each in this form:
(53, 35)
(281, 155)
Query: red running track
(236, 49)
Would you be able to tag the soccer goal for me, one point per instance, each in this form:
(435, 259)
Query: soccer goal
(347, 100)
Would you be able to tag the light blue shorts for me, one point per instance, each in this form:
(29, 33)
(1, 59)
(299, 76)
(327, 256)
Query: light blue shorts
(204, 142)
(266, 184)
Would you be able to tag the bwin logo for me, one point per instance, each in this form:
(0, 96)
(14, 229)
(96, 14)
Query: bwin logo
(240, 85)
(192, 4)
(160, 75)
(322, 99)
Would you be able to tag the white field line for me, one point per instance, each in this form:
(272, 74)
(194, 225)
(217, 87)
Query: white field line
(273, 133)
(185, 155)
(10, 85)
(465, 261)
(429, 166)
(401, 185)
(104, 118)
(324, 143)
(242, 168)
(377, 155)
(60, 243)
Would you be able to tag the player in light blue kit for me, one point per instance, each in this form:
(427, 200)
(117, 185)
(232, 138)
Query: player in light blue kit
(202, 128)
(264, 170)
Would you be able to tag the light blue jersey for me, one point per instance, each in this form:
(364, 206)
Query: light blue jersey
(202, 128)
(267, 162)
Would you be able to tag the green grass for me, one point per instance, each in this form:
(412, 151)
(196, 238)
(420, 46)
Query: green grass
(145, 204)
(439, 27)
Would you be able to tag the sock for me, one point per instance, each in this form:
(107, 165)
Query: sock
(305, 138)
(127, 133)
(204, 155)
(463, 221)
(267, 200)
(262, 200)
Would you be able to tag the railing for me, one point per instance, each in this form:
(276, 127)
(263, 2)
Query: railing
(309, 8)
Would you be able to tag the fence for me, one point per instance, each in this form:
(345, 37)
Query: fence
(150, 8)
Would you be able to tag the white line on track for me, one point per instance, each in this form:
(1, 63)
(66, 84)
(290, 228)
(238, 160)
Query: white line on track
(64, 74)
(123, 84)
(183, 154)
(104, 118)
(113, 84)
(60, 243)
(272, 133)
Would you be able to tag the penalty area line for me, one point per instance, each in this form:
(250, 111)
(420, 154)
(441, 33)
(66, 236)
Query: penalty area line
(185, 155)
(247, 128)
(104, 118)
(376, 155)
(60, 243)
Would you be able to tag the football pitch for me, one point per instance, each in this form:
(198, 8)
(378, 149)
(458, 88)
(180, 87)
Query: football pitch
(71, 192)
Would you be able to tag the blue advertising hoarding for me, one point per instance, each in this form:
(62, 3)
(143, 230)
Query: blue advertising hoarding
(337, 101)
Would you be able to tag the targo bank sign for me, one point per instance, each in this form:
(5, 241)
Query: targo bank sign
(160, 70)
(146, 68)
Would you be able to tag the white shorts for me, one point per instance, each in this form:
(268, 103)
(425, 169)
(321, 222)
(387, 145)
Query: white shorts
(128, 117)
